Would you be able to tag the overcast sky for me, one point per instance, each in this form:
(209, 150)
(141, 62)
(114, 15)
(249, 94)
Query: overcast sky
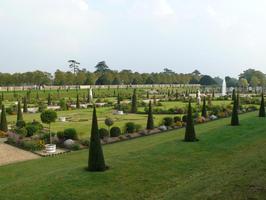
(217, 37)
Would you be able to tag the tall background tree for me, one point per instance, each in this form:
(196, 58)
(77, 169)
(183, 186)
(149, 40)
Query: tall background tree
(243, 84)
(73, 64)
(207, 80)
(104, 75)
(254, 77)
(231, 82)
(101, 67)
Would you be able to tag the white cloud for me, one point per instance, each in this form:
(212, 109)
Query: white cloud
(225, 21)
(81, 4)
(151, 8)
(162, 8)
(211, 11)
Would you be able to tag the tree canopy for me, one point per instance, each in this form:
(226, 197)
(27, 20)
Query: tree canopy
(103, 75)
(207, 80)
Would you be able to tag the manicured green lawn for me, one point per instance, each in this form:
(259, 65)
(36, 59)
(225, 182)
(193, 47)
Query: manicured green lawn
(227, 163)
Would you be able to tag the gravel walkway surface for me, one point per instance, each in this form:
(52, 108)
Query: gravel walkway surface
(10, 154)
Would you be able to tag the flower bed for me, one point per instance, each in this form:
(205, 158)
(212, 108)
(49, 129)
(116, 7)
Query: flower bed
(178, 125)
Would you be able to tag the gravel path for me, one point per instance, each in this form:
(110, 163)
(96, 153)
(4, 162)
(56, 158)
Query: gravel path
(10, 154)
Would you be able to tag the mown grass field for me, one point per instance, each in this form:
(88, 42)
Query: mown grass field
(227, 163)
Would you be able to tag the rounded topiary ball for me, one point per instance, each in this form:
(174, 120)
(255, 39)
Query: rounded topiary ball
(103, 133)
(115, 132)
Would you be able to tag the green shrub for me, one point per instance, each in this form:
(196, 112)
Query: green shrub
(125, 108)
(85, 142)
(103, 133)
(184, 118)
(31, 130)
(177, 119)
(70, 133)
(41, 107)
(108, 122)
(60, 135)
(252, 108)
(159, 104)
(130, 127)
(179, 124)
(37, 124)
(75, 147)
(180, 111)
(215, 109)
(20, 124)
(115, 131)
(21, 131)
(46, 136)
(168, 121)
(11, 110)
(62, 104)
(32, 145)
(196, 115)
(33, 127)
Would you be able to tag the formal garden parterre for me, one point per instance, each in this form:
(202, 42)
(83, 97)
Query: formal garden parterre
(167, 109)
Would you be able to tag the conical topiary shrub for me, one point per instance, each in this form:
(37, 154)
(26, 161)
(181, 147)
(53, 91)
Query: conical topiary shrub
(262, 107)
(77, 102)
(134, 102)
(19, 113)
(49, 100)
(234, 118)
(234, 95)
(3, 124)
(37, 96)
(150, 124)
(190, 134)
(118, 102)
(204, 110)
(96, 159)
(25, 105)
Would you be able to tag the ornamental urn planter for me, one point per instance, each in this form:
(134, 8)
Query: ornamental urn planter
(50, 148)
